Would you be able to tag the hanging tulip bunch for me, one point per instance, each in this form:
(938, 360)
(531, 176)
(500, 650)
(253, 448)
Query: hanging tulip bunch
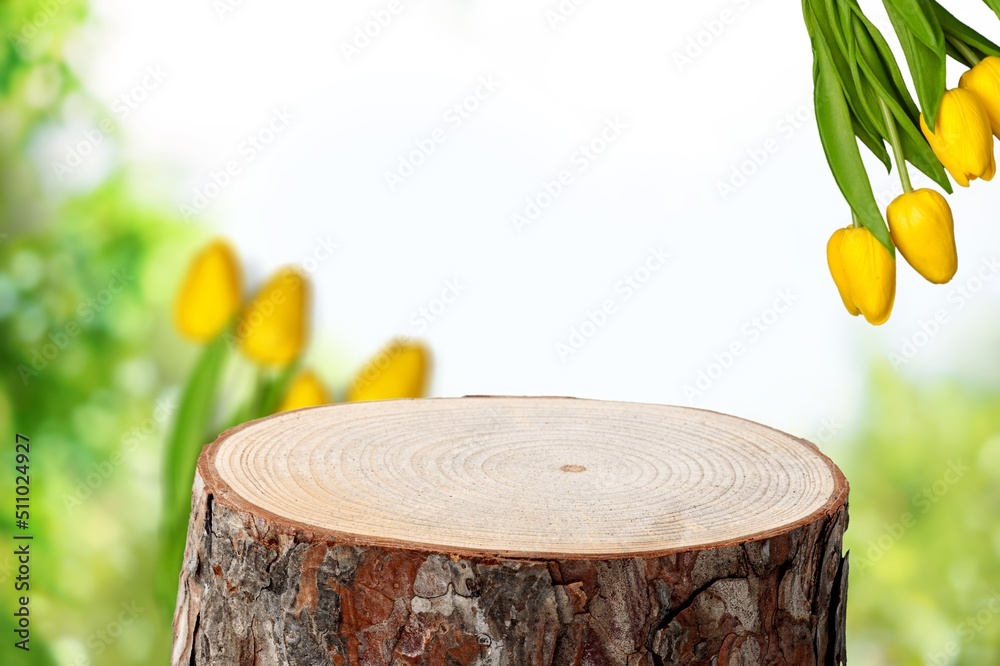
(271, 331)
(860, 95)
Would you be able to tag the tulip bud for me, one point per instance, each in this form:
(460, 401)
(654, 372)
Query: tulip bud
(864, 272)
(837, 270)
(305, 391)
(923, 230)
(984, 81)
(962, 138)
(210, 293)
(273, 328)
(400, 370)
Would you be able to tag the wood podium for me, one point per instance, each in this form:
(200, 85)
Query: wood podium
(511, 531)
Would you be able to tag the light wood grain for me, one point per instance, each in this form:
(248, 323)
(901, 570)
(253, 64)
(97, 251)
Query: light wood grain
(526, 476)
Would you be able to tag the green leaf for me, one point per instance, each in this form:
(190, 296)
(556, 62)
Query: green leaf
(828, 21)
(918, 153)
(957, 29)
(874, 144)
(957, 55)
(828, 27)
(888, 60)
(275, 390)
(878, 74)
(917, 17)
(869, 99)
(923, 43)
(871, 132)
(192, 420)
(866, 122)
(836, 131)
(846, 17)
(264, 398)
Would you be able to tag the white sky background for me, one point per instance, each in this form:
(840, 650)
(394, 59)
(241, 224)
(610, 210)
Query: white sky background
(656, 186)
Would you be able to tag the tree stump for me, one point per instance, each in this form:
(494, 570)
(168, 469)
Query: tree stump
(515, 532)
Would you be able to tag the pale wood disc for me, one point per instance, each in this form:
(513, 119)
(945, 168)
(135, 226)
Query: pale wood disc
(523, 477)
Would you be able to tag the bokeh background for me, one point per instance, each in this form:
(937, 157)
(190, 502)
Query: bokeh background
(660, 156)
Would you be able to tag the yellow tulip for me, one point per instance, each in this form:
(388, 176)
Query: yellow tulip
(923, 230)
(962, 138)
(210, 293)
(273, 328)
(864, 272)
(984, 81)
(836, 264)
(306, 391)
(400, 370)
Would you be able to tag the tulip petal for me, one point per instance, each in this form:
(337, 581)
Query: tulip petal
(400, 370)
(871, 274)
(836, 265)
(273, 328)
(984, 81)
(306, 391)
(210, 292)
(962, 138)
(923, 230)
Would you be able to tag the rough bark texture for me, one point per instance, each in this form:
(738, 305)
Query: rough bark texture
(256, 593)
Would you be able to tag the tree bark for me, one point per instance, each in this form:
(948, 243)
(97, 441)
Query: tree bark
(261, 586)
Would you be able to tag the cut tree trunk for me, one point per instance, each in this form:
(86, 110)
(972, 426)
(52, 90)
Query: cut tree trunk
(515, 532)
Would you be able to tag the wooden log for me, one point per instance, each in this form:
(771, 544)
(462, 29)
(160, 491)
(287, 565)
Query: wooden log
(512, 531)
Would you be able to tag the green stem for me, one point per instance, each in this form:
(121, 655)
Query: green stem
(897, 146)
(259, 389)
(855, 220)
(964, 49)
(276, 389)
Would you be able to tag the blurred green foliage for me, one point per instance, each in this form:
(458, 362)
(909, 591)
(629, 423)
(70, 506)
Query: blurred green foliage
(924, 532)
(91, 367)
(89, 359)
